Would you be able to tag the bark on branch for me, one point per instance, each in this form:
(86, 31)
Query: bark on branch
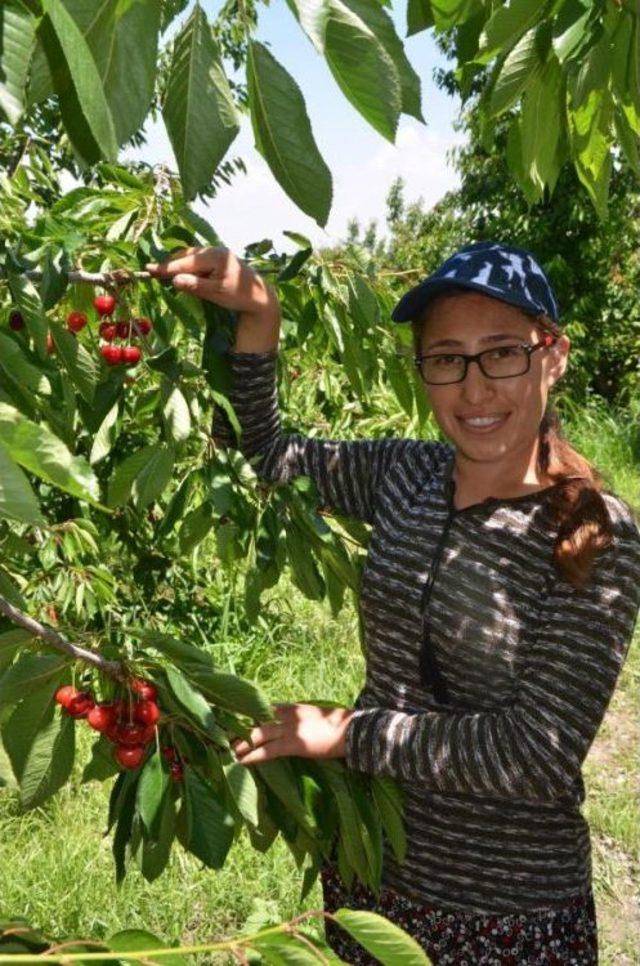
(119, 276)
(113, 669)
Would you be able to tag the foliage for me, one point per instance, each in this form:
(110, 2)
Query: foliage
(114, 493)
(565, 74)
(282, 943)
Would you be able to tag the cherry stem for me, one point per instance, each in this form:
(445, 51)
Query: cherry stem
(112, 668)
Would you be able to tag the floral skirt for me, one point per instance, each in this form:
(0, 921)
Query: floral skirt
(555, 936)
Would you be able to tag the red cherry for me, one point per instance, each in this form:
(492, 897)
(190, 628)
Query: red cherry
(142, 326)
(112, 354)
(101, 717)
(130, 734)
(145, 689)
(51, 346)
(123, 329)
(148, 734)
(16, 321)
(169, 753)
(146, 712)
(76, 321)
(65, 694)
(176, 771)
(129, 757)
(104, 304)
(80, 705)
(107, 331)
(131, 355)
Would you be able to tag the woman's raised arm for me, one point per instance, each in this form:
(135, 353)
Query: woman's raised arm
(347, 474)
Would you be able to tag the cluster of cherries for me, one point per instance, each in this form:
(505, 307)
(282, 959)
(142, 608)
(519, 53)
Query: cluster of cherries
(117, 355)
(113, 355)
(129, 724)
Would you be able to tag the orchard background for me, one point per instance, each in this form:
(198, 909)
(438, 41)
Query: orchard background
(143, 548)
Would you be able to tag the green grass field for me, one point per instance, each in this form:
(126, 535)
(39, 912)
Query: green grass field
(56, 867)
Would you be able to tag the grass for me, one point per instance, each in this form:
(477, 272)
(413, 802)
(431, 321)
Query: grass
(55, 863)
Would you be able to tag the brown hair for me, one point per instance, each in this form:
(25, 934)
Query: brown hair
(576, 507)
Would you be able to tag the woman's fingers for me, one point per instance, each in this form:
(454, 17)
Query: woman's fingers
(258, 737)
(193, 261)
(210, 289)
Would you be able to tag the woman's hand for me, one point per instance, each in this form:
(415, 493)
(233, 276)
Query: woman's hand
(304, 730)
(217, 275)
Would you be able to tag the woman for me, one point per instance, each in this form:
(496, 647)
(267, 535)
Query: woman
(499, 599)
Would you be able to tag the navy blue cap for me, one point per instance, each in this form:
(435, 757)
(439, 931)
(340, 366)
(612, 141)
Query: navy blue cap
(502, 271)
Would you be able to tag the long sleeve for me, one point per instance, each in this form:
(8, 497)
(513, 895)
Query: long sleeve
(534, 748)
(346, 473)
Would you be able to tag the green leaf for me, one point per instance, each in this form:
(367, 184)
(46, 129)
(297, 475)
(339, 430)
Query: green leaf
(382, 938)
(542, 124)
(29, 674)
(105, 436)
(177, 416)
(144, 473)
(590, 114)
(14, 362)
(570, 28)
(27, 298)
(233, 693)
(304, 570)
(10, 641)
(195, 526)
(363, 69)
(124, 808)
(244, 790)
(38, 451)
(505, 27)
(282, 950)
(152, 788)
(211, 825)
(452, 13)
(388, 799)
(123, 38)
(102, 764)
(419, 16)
(88, 91)
(379, 21)
(625, 68)
(198, 108)
(153, 853)
(82, 367)
(17, 40)
(283, 134)
(281, 778)
(154, 476)
(17, 499)
(518, 70)
(50, 762)
(195, 704)
(41, 745)
(139, 940)
(351, 825)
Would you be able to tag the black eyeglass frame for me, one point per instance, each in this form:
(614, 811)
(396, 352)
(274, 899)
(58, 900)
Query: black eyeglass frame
(545, 344)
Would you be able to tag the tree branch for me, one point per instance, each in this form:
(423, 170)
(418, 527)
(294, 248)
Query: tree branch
(119, 276)
(113, 669)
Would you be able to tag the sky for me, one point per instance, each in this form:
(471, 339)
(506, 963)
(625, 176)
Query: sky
(362, 162)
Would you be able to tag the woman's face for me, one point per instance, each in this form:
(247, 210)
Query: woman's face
(468, 321)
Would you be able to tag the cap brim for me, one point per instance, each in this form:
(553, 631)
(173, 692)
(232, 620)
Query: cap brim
(414, 301)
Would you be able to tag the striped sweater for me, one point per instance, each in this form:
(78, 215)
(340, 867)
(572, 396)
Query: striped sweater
(492, 780)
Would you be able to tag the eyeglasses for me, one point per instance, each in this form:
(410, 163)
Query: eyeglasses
(503, 362)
